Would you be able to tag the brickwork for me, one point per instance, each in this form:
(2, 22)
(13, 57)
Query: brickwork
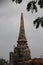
(31, 62)
(22, 51)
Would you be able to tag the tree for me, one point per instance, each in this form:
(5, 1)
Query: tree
(3, 61)
(32, 5)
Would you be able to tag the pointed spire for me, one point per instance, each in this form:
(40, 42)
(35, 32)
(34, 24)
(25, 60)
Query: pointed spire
(22, 30)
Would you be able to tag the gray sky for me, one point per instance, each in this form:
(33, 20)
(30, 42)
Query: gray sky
(9, 28)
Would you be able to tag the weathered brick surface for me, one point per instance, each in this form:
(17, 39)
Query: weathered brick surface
(32, 62)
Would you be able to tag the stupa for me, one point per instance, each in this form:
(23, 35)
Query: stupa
(22, 51)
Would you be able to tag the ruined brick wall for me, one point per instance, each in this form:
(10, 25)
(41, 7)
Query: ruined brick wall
(32, 62)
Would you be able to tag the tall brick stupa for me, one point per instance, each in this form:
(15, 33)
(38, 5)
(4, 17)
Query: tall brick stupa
(22, 51)
(21, 54)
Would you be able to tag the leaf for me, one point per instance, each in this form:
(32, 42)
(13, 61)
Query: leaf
(28, 6)
(17, 1)
(34, 7)
(42, 24)
(37, 25)
(31, 6)
(40, 3)
(37, 22)
(42, 21)
(13, 0)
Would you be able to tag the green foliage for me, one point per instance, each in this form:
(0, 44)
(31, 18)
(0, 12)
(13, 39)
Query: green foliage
(3, 61)
(38, 21)
(32, 6)
(40, 3)
(13, 0)
(17, 1)
(28, 6)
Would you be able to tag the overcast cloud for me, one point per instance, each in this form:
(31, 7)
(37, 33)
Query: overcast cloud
(9, 28)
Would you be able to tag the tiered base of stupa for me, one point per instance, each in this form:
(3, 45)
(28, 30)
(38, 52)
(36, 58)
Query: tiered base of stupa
(21, 55)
